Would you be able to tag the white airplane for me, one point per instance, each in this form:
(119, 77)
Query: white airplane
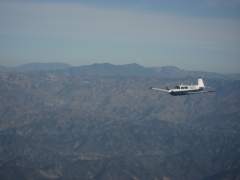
(185, 89)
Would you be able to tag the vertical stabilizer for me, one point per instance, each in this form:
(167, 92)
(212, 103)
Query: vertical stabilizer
(200, 83)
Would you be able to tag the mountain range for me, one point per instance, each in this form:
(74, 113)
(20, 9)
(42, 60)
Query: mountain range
(102, 122)
(122, 70)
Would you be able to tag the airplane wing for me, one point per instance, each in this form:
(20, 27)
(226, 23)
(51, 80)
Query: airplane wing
(158, 89)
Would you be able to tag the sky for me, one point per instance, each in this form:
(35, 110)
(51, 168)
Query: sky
(191, 34)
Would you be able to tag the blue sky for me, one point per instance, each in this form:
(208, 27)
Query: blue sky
(195, 35)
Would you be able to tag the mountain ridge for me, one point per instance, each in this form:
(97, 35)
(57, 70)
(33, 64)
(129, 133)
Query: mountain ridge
(107, 69)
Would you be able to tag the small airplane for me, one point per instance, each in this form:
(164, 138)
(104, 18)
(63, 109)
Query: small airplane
(185, 89)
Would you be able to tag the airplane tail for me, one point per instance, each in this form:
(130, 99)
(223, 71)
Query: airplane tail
(200, 83)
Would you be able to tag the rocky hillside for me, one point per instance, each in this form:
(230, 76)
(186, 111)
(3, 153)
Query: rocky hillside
(102, 122)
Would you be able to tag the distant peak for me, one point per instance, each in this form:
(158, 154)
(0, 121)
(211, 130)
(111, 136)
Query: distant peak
(133, 65)
(101, 64)
(170, 68)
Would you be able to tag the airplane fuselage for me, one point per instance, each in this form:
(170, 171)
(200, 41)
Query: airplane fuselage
(185, 90)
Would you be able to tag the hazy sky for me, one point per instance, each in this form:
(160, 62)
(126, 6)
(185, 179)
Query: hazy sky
(190, 34)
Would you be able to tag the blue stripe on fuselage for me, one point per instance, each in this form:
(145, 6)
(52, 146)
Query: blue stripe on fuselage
(181, 93)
